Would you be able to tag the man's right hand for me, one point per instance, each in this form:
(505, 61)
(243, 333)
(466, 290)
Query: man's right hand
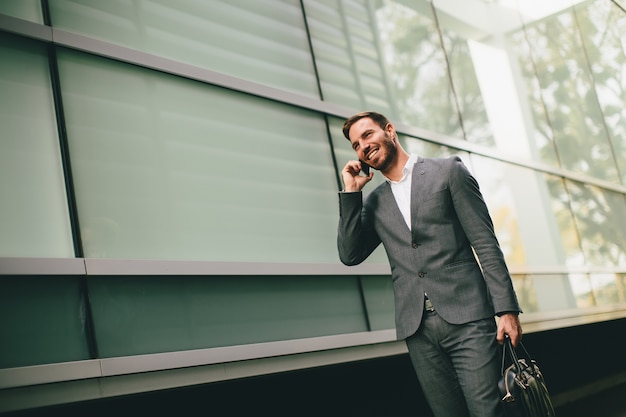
(353, 181)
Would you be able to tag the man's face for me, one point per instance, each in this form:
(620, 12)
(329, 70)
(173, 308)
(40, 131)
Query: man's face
(373, 145)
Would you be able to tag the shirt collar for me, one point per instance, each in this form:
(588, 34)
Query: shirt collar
(406, 171)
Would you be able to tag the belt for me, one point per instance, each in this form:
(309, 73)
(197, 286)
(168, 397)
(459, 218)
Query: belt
(428, 305)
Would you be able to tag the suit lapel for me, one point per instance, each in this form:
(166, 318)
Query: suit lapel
(417, 189)
(395, 215)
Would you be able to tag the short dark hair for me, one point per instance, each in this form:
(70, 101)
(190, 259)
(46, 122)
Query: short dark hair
(376, 117)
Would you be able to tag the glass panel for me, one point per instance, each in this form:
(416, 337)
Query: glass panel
(574, 117)
(23, 9)
(620, 281)
(603, 28)
(494, 179)
(417, 67)
(169, 168)
(599, 218)
(525, 291)
(428, 149)
(466, 92)
(379, 302)
(34, 219)
(555, 292)
(540, 134)
(581, 287)
(263, 41)
(348, 58)
(606, 289)
(42, 320)
(564, 220)
(140, 315)
(538, 225)
(539, 293)
(520, 211)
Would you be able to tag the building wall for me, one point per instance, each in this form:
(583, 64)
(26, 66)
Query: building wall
(169, 171)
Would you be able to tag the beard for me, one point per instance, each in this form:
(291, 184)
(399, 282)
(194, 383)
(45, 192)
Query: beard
(390, 151)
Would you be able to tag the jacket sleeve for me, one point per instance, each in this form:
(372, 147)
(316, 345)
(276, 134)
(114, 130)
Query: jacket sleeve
(478, 227)
(356, 237)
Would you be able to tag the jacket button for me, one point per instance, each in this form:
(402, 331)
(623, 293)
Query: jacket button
(415, 245)
(421, 274)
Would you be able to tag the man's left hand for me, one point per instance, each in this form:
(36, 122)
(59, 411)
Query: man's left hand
(508, 324)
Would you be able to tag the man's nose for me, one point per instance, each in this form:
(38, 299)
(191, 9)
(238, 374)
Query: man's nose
(363, 148)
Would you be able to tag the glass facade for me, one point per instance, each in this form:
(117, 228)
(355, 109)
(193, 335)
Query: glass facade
(130, 318)
(211, 131)
(34, 220)
(169, 168)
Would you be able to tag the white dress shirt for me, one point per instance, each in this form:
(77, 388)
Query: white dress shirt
(402, 189)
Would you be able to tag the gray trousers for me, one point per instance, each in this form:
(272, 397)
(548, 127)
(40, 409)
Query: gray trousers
(458, 366)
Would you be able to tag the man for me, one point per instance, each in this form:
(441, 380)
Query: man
(431, 218)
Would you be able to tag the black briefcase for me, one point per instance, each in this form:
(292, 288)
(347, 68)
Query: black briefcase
(522, 386)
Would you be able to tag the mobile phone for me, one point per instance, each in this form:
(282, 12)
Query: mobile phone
(365, 168)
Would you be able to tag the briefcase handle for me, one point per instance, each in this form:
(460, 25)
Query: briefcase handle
(508, 346)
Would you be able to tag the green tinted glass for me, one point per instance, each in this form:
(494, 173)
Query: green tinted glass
(43, 320)
(262, 41)
(34, 220)
(137, 315)
(167, 168)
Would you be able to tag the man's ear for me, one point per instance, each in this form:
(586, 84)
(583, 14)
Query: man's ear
(391, 130)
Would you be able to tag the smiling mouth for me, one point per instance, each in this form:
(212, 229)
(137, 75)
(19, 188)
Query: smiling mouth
(372, 154)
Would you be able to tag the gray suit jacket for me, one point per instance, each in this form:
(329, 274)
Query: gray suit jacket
(448, 218)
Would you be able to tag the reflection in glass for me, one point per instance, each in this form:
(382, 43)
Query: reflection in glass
(581, 287)
(466, 91)
(599, 216)
(540, 293)
(603, 28)
(525, 291)
(429, 149)
(564, 221)
(605, 288)
(417, 68)
(573, 116)
(620, 281)
(509, 208)
(540, 135)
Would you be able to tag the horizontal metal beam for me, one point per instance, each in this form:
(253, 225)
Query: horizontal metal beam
(42, 266)
(25, 28)
(177, 268)
(123, 267)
